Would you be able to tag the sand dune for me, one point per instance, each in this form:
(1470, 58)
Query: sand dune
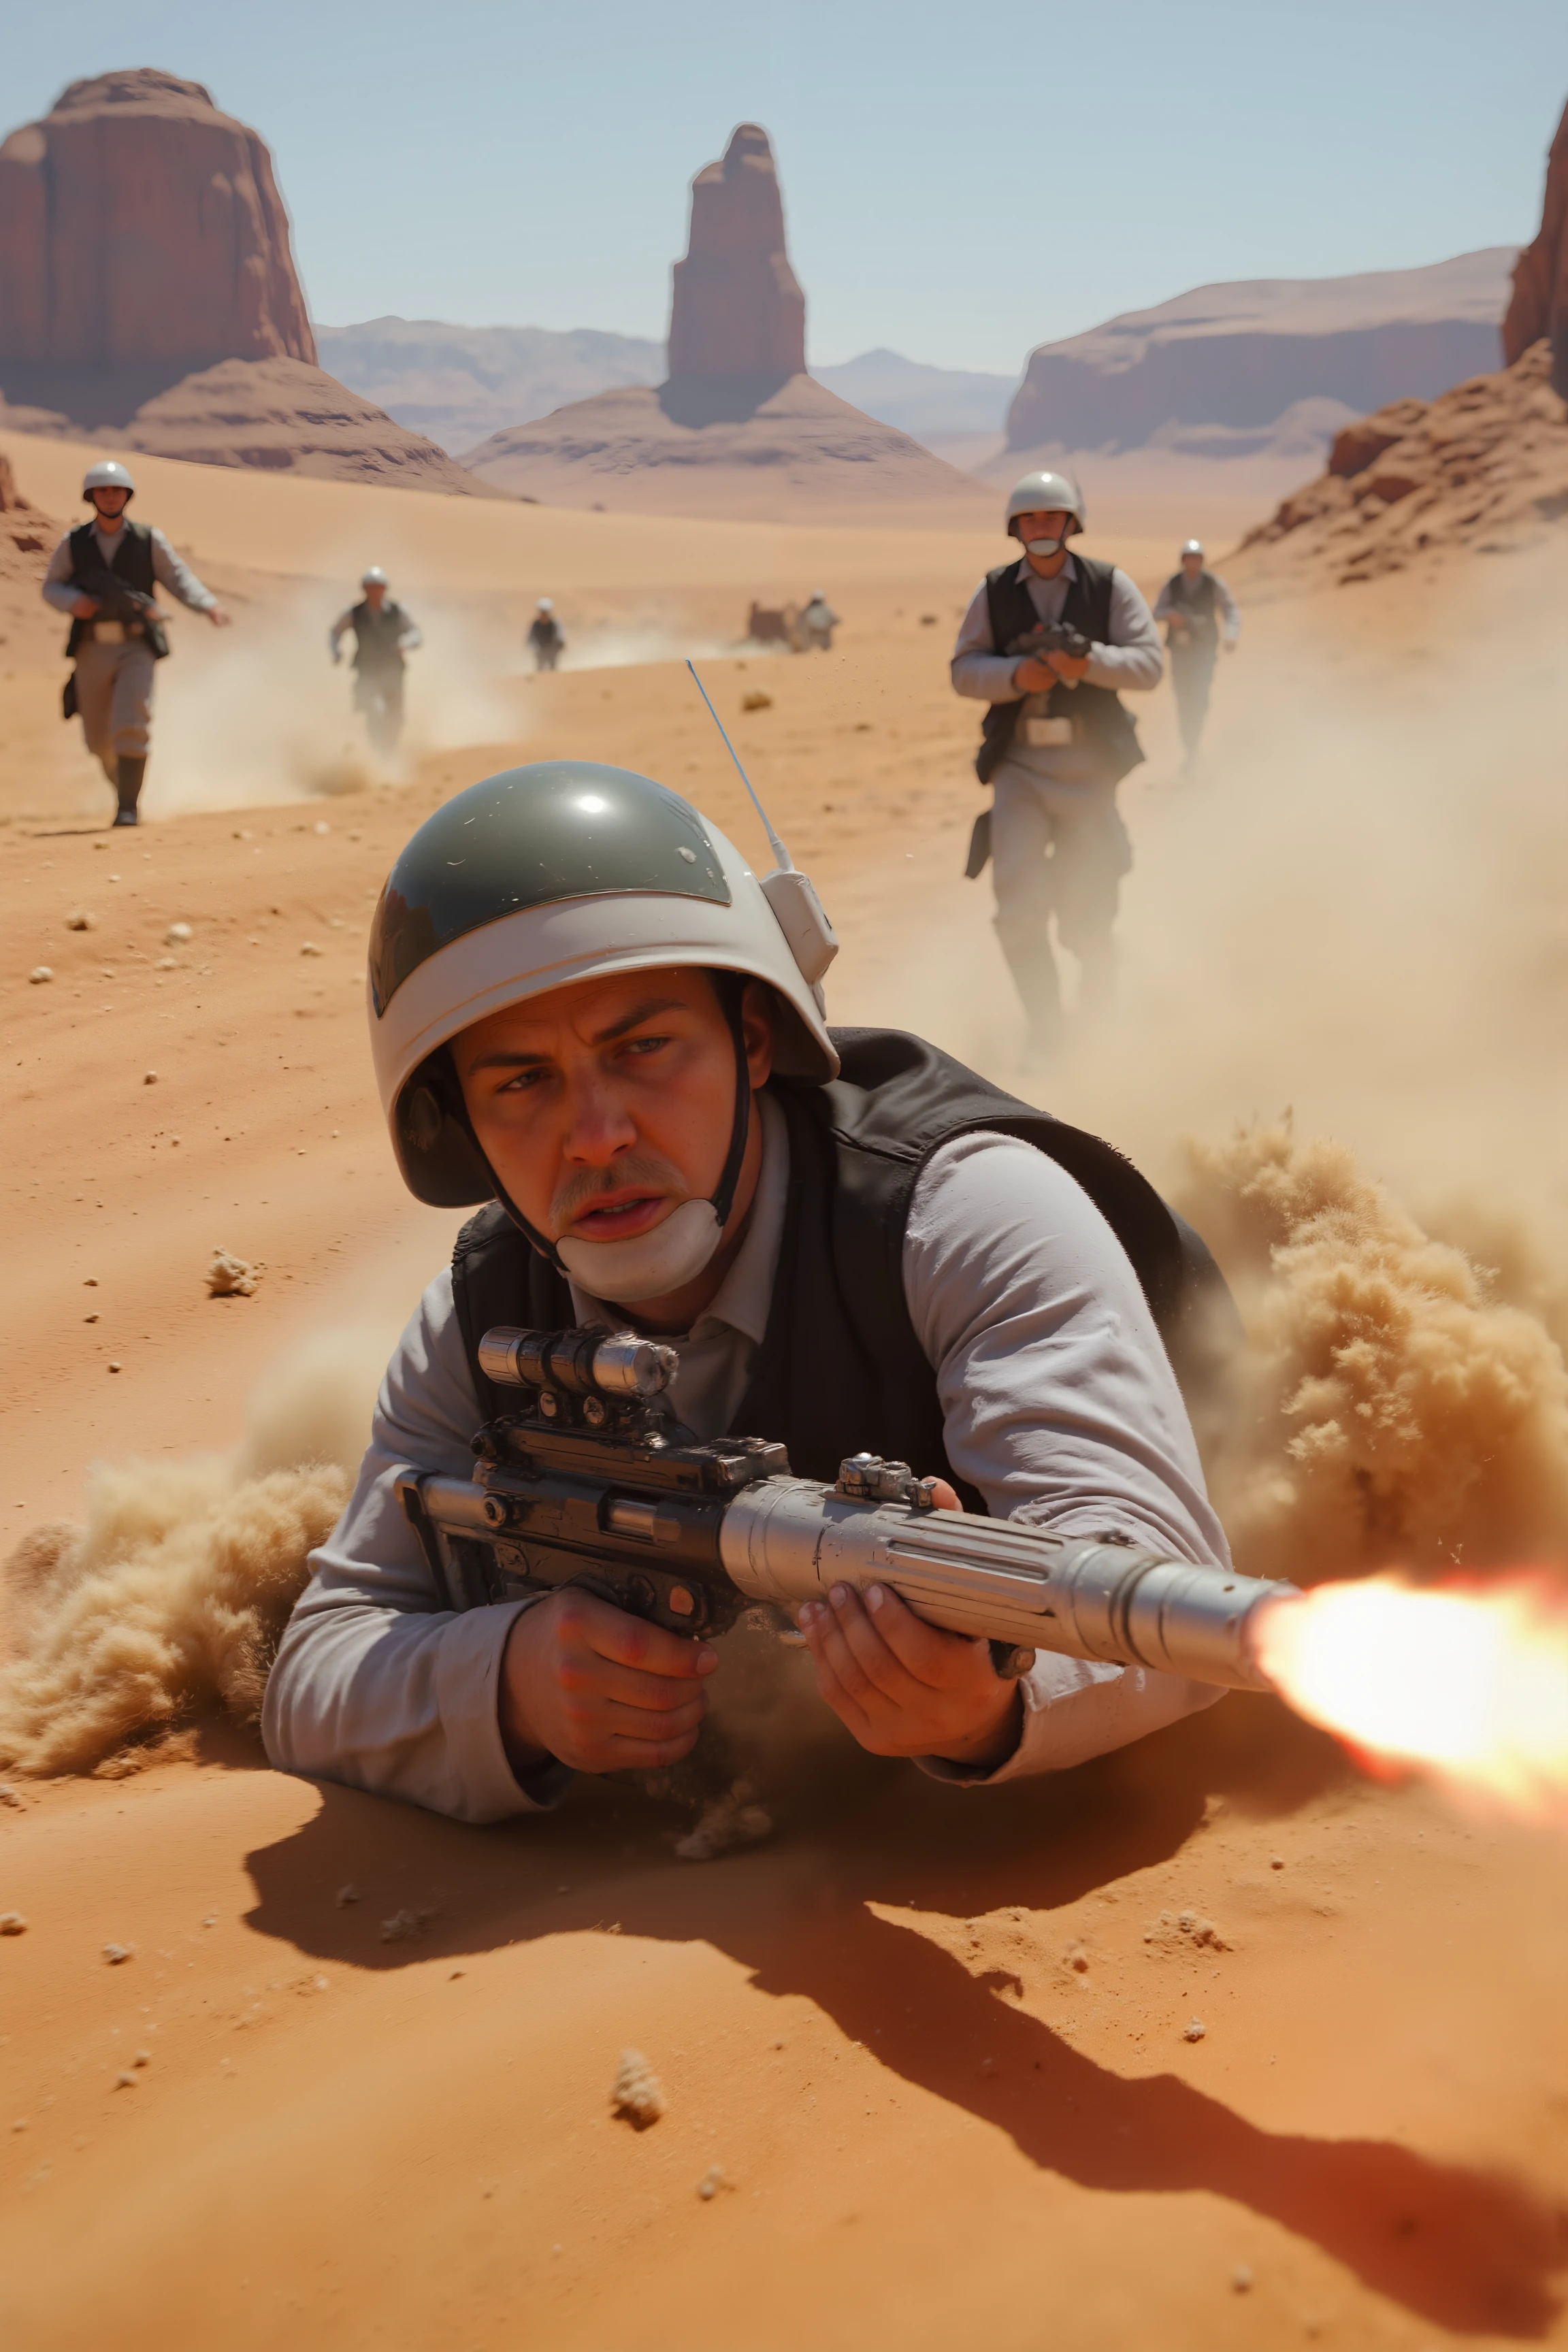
(933, 2042)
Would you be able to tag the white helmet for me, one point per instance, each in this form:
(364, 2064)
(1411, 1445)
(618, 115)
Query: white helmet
(374, 578)
(1193, 547)
(1045, 494)
(547, 604)
(108, 474)
(557, 872)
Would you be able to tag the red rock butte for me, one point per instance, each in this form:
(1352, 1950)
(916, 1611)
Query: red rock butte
(142, 238)
(1539, 310)
(736, 308)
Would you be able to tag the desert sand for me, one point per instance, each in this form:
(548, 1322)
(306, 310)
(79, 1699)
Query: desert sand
(928, 2049)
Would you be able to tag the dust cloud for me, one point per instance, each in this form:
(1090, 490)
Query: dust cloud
(170, 1600)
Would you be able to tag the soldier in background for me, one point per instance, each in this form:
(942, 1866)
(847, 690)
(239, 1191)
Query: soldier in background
(818, 623)
(105, 575)
(384, 633)
(1201, 615)
(546, 639)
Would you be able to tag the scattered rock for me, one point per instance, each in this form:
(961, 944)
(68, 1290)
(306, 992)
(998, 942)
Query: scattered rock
(347, 1894)
(166, 963)
(114, 1368)
(1275, 1862)
(40, 974)
(12, 1924)
(320, 825)
(1203, 1932)
(178, 935)
(308, 947)
(1076, 1958)
(125, 2082)
(116, 1954)
(712, 2180)
(637, 2092)
(232, 1277)
(404, 1926)
(1194, 2030)
(1241, 2279)
(80, 921)
(9, 1796)
(756, 701)
(149, 1078)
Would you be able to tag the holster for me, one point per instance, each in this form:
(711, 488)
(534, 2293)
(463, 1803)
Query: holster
(68, 700)
(979, 847)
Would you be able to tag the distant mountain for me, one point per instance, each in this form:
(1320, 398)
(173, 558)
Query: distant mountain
(920, 400)
(1233, 362)
(460, 385)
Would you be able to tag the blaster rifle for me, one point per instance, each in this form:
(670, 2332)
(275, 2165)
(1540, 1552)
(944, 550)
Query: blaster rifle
(118, 601)
(592, 1482)
(1053, 637)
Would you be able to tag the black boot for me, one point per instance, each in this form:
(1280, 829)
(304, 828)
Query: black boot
(1034, 969)
(128, 785)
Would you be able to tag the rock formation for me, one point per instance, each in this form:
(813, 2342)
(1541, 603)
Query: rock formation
(1484, 467)
(736, 310)
(738, 428)
(1540, 304)
(288, 417)
(1216, 371)
(142, 238)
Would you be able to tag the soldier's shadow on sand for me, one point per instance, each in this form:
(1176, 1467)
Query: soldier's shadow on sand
(1469, 2252)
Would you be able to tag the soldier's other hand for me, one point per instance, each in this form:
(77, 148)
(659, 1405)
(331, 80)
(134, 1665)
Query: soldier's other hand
(599, 1689)
(1034, 676)
(906, 1688)
(217, 616)
(1069, 666)
(84, 607)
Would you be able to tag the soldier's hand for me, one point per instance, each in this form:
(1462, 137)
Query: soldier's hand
(1070, 667)
(599, 1689)
(84, 607)
(217, 616)
(1032, 676)
(906, 1688)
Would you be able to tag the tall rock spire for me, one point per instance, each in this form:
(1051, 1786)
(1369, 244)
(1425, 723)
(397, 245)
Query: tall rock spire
(1540, 304)
(737, 310)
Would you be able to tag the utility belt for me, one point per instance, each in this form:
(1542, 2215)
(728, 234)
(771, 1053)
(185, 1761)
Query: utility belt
(1050, 734)
(112, 632)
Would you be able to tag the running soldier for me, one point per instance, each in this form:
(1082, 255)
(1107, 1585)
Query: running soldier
(106, 574)
(1048, 641)
(1202, 616)
(384, 633)
(546, 639)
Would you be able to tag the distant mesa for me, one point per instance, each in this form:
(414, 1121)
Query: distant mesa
(148, 291)
(1262, 366)
(1540, 304)
(738, 427)
(1482, 469)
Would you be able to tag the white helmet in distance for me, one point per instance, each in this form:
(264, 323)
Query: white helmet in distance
(562, 871)
(373, 578)
(1193, 547)
(1045, 493)
(547, 604)
(108, 474)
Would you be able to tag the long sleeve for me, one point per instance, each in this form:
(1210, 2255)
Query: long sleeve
(172, 572)
(1230, 619)
(57, 588)
(977, 669)
(339, 629)
(1134, 660)
(1060, 1404)
(375, 1684)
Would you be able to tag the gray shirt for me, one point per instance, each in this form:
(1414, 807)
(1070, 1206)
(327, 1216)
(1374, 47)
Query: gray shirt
(1169, 601)
(1058, 1403)
(169, 570)
(1131, 661)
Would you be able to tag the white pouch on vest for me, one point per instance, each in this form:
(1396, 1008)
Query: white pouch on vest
(109, 633)
(1050, 734)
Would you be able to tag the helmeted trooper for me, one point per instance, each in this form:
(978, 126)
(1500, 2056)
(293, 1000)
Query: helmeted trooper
(1200, 614)
(818, 622)
(384, 633)
(1056, 743)
(915, 1263)
(546, 639)
(106, 574)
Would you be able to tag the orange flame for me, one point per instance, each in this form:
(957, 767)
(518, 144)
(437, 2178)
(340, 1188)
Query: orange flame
(1464, 1681)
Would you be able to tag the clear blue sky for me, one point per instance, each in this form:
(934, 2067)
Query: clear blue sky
(959, 183)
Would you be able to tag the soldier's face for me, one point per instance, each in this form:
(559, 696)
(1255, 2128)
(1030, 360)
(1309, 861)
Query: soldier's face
(604, 1105)
(1192, 565)
(110, 504)
(1047, 529)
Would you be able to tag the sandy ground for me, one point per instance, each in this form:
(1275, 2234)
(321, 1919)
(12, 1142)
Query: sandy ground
(934, 2042)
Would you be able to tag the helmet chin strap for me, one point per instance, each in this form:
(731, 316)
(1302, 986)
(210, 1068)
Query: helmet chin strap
(671, 1254)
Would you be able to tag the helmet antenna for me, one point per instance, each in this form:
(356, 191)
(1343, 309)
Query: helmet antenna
(786, 863)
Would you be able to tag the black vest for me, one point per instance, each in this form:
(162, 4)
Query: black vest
(1195, 601)
(840, 1366)
(1109, 731)
(133, 563)
(377, 635)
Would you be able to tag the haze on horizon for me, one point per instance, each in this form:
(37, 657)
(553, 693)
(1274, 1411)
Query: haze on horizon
(956, 194)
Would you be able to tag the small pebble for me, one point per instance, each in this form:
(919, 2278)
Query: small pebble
(39, 973)
(1241, 2278)
(149, 1078)
(142, 2058)
(12, 1924)
(124, 2082)
(178, 935)
(79, 921)
(114, 1368)
(1194, 2030)
(115, 1953)
(1275, 1862)
(712, 2180)
(347, 1894)
(8, 1795)
(308, 947)
(637, 2092)
(320, 825)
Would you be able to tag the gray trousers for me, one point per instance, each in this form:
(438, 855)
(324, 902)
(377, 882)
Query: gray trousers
(1056, 850)
(114, 698)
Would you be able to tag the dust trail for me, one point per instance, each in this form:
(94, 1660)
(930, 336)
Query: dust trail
(171, 1598)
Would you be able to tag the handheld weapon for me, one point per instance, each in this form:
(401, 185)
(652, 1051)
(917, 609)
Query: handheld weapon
(1053, 637)
(592, 1482)
(118, 601)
